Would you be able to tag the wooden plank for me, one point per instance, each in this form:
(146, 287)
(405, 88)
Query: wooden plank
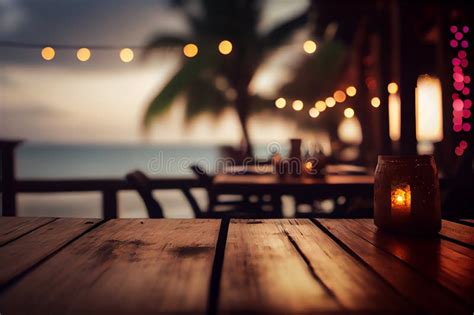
(14, 227)
(18, 256)
(459, 232)
(264, 273)
(427, 294)
(435, 258)
(124, 266)
(354, 286)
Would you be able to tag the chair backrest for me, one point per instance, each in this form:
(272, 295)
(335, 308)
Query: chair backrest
(202, 175)
(141, 183)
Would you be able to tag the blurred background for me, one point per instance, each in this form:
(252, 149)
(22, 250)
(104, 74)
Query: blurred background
(95, 89)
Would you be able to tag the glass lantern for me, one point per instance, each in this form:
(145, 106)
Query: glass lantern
(406, 195)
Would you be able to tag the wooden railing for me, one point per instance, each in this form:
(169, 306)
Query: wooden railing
(107, 187)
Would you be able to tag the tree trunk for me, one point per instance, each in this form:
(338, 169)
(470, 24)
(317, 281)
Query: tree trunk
(242, 107)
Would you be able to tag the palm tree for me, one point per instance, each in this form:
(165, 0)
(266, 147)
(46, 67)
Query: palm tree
(210, 81)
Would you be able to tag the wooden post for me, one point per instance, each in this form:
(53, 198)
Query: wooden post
(109, 203)
(409, 48)
(384, 70)
(8, 177)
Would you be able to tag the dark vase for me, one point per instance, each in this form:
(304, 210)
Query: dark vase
(294, 161)
(406, 195)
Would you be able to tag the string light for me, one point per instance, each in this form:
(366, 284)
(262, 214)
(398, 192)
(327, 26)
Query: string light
(83, 54)
(351, 91)
(375, 102)
(348, 112)
(225, 47)
(126, 55)
(190, 50)
(48, 53)
(298, 105)
(330, 102)
(339, 96)
(313, 112)
(309, 47)
(461, 102)
(280, 102)
(320, 106)
(392, 88)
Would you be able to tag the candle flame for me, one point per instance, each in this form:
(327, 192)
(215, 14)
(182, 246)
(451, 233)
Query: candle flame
(401, 197)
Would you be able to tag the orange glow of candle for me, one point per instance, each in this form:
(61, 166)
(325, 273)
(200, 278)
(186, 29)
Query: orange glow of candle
(401, 198)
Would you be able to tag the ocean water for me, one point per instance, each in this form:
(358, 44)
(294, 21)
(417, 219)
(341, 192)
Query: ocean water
(35, 160)
(55, 161)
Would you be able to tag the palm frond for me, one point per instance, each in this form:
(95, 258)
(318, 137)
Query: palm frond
(282, 32)
(204, 96)
(177, 84)
(165, 41)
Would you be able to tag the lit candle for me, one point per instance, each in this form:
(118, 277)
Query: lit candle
(401, 199)
(406, 195)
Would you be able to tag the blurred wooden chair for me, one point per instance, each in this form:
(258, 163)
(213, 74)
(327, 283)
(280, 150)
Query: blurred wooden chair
(238, 204)
(142, 184)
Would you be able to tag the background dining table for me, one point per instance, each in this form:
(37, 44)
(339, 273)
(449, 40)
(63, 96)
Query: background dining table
(201, 266)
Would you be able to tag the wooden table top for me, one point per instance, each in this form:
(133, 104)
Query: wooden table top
(281, 266)
(223, 179)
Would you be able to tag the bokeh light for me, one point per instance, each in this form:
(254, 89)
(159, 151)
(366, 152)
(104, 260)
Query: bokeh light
(297, 105)
(375, 102)
(392, 88)
(330, 102)
(280, 102)
(348, 112)
(339, 96)
(190, 50)
(458, 104)
(351, 91)
(48, 53)
(225, 47)
(309, 46)
(313, 112)
(320, 106)
(83, 54)
(126, 55)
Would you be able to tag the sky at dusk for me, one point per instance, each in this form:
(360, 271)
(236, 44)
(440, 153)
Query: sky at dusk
(103, 100)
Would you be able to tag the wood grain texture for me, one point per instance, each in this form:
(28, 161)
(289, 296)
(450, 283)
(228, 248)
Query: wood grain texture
(264, 273)
(14, 227)
(23, 253)
(352, 284)
(428, 295)
(124, 266)
(459, 232)
(437, 259)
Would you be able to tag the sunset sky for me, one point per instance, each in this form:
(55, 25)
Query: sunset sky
(103, 100)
